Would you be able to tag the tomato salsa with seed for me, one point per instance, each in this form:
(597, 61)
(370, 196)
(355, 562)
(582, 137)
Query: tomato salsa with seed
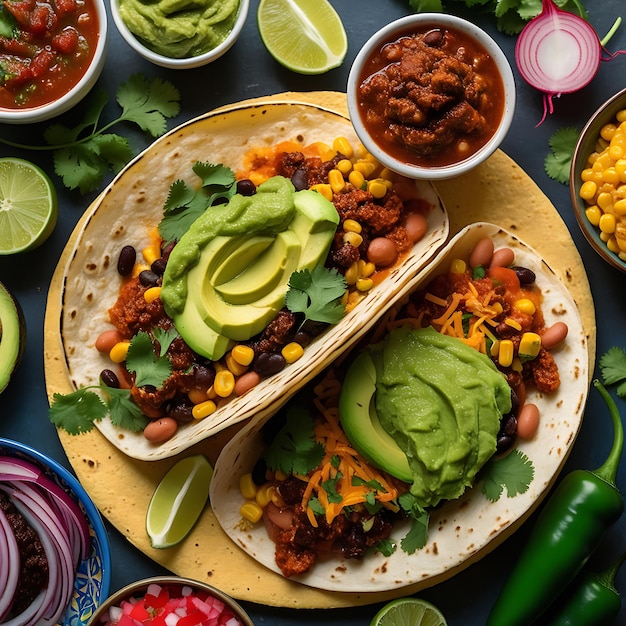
(431, 98)
(46, 47)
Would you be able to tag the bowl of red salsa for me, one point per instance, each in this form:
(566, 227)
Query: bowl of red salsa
(431, 95)
(51, 54)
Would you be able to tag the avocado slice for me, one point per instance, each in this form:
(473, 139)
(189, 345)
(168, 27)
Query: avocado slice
(360, 422)
(12, 336)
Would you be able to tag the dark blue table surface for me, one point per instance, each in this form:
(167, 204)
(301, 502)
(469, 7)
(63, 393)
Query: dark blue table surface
(248, 71)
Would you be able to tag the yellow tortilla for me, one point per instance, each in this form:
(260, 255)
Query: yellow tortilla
(498, 192)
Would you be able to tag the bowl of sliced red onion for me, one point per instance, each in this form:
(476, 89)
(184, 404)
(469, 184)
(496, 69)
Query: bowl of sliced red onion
(168, 600)
(55, 562)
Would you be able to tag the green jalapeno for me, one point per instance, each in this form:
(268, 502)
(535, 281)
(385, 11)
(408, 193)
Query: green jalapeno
(592, 600)
(581, 509)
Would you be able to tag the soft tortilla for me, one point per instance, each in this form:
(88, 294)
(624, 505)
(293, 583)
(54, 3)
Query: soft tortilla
(498, 191)
(464, 527)
(129, 211)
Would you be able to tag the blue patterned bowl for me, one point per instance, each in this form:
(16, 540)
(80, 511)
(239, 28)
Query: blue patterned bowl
(93, 578)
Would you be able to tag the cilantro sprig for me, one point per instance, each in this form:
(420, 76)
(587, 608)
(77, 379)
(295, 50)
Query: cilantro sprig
(84, 153)
(558, 161)
(513, 472)
(613, 367)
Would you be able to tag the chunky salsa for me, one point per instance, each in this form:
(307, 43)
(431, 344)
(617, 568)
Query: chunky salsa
(431, 98)
(46, 47)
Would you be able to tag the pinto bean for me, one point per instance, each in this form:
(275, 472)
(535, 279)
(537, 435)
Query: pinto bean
(160, 430)
(482, 253)
(416, 226)
(503, 257)
(382, 252)
(246, 381)
(528, 421)
(106, 340)
(554, 335)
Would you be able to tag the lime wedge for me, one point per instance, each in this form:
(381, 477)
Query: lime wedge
(409, 612)
(178, 501)
(28, 206)
(306, 36)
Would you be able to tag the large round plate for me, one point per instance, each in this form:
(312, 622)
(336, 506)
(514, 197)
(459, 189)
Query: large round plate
(499, 192)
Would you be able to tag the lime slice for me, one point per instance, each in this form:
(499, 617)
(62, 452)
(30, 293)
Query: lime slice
(305, 36)
(409, 612)
(178, 501)
(28, 206)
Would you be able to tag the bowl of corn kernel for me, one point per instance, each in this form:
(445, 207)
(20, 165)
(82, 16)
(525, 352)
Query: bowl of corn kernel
(598, 181)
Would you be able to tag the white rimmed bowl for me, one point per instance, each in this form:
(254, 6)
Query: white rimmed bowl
(180, 63)
(31, 115)
(417, 24)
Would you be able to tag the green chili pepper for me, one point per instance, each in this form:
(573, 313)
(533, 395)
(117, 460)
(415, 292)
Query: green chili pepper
(581, 509)
(592, 600)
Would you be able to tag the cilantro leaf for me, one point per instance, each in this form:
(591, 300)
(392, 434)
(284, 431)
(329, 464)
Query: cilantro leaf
(149, 369)
(123, 411)
(558, 162)
(8, 24)
(330, 487)
(386, 547)
(613, 367)
(317, 294)
(294, 449)
(76, 412)
(417, 536)
(514, 472)
(165, 338)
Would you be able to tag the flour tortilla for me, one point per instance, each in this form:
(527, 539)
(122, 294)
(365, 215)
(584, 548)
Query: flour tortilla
(131, 208)
(460, 528)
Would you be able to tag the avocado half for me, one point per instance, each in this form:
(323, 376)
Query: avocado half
(360, 422)
(12, 336)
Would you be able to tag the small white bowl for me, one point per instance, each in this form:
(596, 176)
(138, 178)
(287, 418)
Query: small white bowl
(417, 24)
(186, 62)
(75, 94)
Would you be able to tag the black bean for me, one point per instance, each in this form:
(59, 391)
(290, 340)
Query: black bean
(246, 187)
(300, 179)
(269, 363)
(304, 339)
(258, 472)
(526, 276)
(126, 260)
(182, 412)
(158, 267)
(504, 443)
(110, 379)
(148, 278)
(509, 425)
(203, 376)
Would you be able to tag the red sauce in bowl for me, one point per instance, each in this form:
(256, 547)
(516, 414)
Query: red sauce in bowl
(46, 47)
(431, 98)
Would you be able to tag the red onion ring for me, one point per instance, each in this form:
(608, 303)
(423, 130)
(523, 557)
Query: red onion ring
(9, 574)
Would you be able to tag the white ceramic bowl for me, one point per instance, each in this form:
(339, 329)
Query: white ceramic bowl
(76, 93)
(419, 23)
(587, 143)
(187, 62)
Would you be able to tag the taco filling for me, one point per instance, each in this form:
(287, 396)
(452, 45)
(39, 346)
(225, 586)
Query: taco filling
(415, 420)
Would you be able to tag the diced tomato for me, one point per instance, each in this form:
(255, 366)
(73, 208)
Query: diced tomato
(42, 20)
(505, 276)
(65, 6)
(66, 41)
(42, 62)
(126, 620)
(158, 598)
(21, 11)
(139, 612)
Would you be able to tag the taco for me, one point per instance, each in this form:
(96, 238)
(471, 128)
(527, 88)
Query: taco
(264, 146)
(330, 520)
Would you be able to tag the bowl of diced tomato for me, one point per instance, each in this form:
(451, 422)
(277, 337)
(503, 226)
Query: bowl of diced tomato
(163, 600)
(51, 54)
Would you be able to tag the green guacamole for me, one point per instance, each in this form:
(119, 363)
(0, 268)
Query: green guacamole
(442, 402)
(180, 28)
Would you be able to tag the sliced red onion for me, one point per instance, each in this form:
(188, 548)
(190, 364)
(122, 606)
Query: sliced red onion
(9, 571)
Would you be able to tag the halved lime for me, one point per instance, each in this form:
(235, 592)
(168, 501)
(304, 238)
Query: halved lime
(409, 612)
(178, 501)
(28, 206)
(306, 36)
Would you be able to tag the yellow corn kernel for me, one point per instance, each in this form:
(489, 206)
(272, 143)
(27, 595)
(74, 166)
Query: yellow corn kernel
(616, 151)
(352, 273)
(607, 131)
(605, 201)
(119, 351)
(138, 268)
(516, 366)
(529, 345)
(495, 348)
(366, 268)
(292, 352)
(236, 368)
(210, 393)
(352, 226)
(619, 207)
(588, 190)
(324, 190)
(336, 181)
(387, 175)
(458, 266)
(604, 236)
(610, 176)
(586, 174)
(621, 115)
(264, 494)
(247, 488)
(593, 214)
(364, 284)
(196, 396)
(620, 168)
(204, 409)
(342, 146)
(525, 305)
(377, 188)
(224, 383)
(326, 152)
(607, 223)
(356, 179)
(367, 168)
(497, 307)
(251, 512)
(151, 254)
(611, 244)
(344, 166)
(354, 239)
(509, 321)
(621, 243)
(244, 355)
(505, 352)
(151, 294)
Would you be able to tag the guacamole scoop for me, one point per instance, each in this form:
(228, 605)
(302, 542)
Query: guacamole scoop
(426, 408)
